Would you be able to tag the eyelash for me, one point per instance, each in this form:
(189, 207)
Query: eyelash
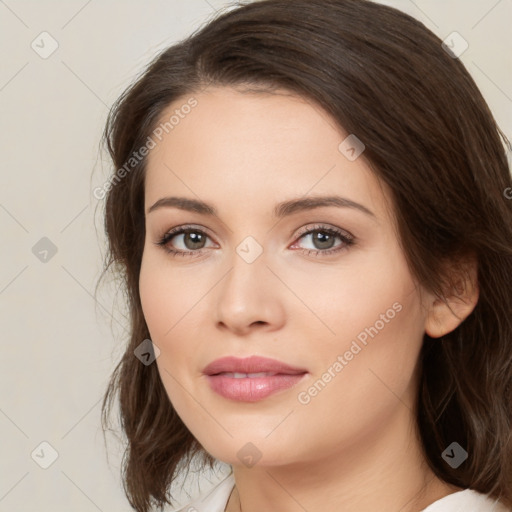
(348, 240)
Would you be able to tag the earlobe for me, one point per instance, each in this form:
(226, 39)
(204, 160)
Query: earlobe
(445, 316)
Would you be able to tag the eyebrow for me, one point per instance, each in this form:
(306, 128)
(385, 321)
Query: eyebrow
(281, 210)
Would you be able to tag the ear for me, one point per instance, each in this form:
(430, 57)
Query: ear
(444, 316)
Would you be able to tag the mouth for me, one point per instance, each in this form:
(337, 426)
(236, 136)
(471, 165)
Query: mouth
(237, 375)
(251, 366)
(251, 379)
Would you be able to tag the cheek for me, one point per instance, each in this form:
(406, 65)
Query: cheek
(171, 308)
(165, 304)
(166, 296)
(154, 300)
(370, 342)
(369, 295)
(164, 307)
(369, 387)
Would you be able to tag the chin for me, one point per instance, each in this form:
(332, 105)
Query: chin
(252, 451)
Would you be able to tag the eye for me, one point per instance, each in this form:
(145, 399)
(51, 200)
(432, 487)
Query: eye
(194, 239)
(323, 240)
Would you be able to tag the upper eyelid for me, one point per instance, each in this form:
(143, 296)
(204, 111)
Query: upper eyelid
(320, 226)
(178, 230)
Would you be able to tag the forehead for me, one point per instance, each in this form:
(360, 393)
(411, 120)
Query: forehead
(243, 145)
(248, 120)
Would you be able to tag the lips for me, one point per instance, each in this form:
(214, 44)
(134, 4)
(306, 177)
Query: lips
(251, 379)
(251, 365)
(239, 375)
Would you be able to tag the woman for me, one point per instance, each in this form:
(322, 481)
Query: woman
(310, 216)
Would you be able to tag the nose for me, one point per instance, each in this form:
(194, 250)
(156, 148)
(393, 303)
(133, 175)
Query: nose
(250, 297)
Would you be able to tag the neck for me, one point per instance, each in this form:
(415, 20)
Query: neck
(384, 472)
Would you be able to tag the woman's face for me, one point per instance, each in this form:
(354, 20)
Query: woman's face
(323, 289)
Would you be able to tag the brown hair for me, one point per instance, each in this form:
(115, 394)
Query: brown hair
(429, 135)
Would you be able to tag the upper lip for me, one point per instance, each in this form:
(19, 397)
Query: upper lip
(253, 364)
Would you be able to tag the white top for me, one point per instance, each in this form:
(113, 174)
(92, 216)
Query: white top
(462, 501)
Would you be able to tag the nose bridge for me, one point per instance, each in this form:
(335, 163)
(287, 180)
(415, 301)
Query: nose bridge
(247, 294)
(249, 250)
(248, 269)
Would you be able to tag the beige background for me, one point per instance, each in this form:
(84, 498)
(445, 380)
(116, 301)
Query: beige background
(59, 345)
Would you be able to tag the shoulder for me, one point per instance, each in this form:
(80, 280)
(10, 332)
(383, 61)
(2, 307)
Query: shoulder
(466, 500)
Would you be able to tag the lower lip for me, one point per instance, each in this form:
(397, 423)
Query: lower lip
(252, 389)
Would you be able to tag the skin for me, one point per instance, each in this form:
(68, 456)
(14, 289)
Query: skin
(354, 446)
